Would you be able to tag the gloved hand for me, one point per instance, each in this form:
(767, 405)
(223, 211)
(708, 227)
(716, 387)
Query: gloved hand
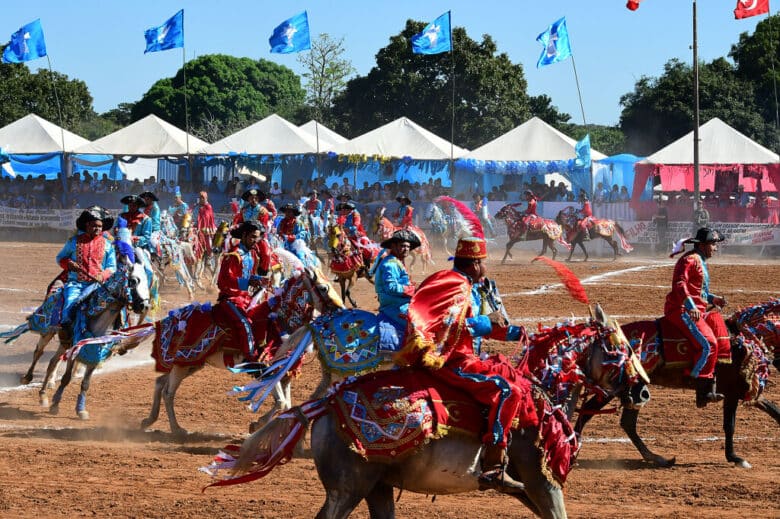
(498, 319)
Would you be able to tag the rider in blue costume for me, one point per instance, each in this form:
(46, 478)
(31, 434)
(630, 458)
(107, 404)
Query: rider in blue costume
(88, 257)
(393, 287)
(152, 209)
(138, 222)
(290, 229)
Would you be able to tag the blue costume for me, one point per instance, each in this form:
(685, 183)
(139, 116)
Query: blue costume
(177, 212)
(141, 226)
(353, 224)
(394, 291)
(153, 212)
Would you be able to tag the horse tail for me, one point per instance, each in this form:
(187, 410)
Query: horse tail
(621, 234)
(769, 407)
(11, 335)
(272, 445)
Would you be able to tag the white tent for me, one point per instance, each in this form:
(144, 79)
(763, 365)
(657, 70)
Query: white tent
(33, 135)
(719, 143)
(400, 138)
(534, 140)
(149, 137)
(326, 136)
(270, 136)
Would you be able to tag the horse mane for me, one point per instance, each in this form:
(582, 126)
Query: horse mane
(568, 278)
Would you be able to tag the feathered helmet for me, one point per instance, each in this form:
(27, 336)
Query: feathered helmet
(703, 235)
(473, 246)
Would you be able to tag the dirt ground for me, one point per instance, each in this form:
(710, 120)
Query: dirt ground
(59, 466)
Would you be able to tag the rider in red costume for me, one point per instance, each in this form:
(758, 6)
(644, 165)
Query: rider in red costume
(686, 306)
(586, 212)
(529, 215)
(405, 212)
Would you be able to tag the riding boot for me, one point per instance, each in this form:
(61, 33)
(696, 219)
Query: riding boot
(494, 474)
(705, 392)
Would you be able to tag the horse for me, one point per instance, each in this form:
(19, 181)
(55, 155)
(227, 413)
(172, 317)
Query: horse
(188, 339)
(346, 262)
(206, 255)
(609, 230)
(538, 229)
(664, 356)
(444, 227)
(168, 250)
(384, 229)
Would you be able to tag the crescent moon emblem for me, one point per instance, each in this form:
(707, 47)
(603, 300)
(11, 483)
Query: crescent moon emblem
(751, 6)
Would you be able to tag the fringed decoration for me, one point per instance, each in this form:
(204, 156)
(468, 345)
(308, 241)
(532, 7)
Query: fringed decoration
(270, 446)
(472, 222)
(568, 278)
(118, 341)
(11, 335)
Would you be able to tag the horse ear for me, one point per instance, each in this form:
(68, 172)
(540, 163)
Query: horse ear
(598, 314)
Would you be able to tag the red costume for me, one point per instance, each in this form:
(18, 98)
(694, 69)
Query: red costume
(587, 216)
(269, 204)
(531, 209)
(690, 289)
(204, 223)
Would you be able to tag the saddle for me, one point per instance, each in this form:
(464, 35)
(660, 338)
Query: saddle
(186, 337)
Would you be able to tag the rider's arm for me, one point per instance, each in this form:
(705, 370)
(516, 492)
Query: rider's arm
(67, 253)
(109, 260)
(390, 273)
(681, 281)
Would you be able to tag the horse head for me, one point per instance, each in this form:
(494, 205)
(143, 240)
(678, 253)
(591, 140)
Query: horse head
(325, 297)
(137, 282)
(334, 236)
(219, 236)
(760, 322)
(509, 213)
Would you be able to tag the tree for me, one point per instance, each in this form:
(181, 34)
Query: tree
(122, 115)
(326, 76)
(541, 106)
(225, 91)
(490, 90)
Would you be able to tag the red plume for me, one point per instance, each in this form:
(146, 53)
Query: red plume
(568, 278)
(475, 226)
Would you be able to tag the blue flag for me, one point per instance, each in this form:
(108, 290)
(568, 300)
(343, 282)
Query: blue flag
(291, 35)
(435, 38)
(169, 35)
(582, 149)
(556, 44)
(26, 44)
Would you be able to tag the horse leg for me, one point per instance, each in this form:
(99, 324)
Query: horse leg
(81, 399)
(584, 250)
(729, 425)
(154, 412)
(49, 378)
(42, 342)
(508, 246)
(55, 399)
(349, 284)
(380, 502)
(628, 423)
(571, 252)
(615, 251)
(175, 378)
(541, 497)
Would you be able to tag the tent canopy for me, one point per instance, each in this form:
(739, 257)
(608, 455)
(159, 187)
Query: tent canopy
(270, 136)
(534, 140)
(326, 136)
(35, 135)
(400, 139)
(148, 137)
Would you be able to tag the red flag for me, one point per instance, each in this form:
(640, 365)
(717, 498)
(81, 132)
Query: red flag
(748, 8)
(633, 5)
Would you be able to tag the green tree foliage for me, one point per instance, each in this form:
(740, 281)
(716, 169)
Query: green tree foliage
(224, 94)
(490, 90)
(609, 140)
(660, 110)
(326, 76)
(541, 106)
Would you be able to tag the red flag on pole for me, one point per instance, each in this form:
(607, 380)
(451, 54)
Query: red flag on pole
(748, 8)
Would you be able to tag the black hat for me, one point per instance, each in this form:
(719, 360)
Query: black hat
(403, 198)
(91, 214)
(401, 236)
(344, 197)
(256, 192)
(149, 194)
(345, 206)
(706, 235)
(313, 192)
(290, 207)
(244, 228)
(134, 199)
(529, 192)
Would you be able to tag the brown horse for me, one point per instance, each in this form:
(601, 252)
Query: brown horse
(609, 230)
(384, 229)
(346, 262)
(538, 229)
(663, 353)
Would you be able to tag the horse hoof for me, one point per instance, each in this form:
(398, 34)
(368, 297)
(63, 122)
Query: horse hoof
(43, 400)
(25, 380)
(179, 432)
(83, 415)
(146, 423)
(741, 463)
(54, 409)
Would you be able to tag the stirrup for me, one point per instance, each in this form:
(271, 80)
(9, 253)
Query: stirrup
(498, 479)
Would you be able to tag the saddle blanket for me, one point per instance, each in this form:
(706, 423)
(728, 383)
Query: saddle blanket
(186, 337)
(348, 341)
(49, 314)
(389, 415)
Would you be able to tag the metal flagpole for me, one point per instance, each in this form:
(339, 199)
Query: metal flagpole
(579, 93)
(696, 201)
(317, 135)
(452, 120)
(186, 112)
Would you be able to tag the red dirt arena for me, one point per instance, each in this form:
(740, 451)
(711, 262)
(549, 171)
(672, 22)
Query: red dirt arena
(59, 466)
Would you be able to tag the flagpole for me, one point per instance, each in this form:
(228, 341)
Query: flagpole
(452, 120)
(696, 201)
(579, 93)
(186, 111)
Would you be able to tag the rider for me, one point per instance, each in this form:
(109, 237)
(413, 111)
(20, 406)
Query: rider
(290, 229)
(253, 210)
(529, 215)
(586, 213)
(481, 210)
(203, 216)
(137, 221)
(179, 208)
(350, 221)
(393, 287)
(314, 207)
(88, 257)
(686, 306)
(445, 334)
(152, 209)
(239, 271)
(405, 212)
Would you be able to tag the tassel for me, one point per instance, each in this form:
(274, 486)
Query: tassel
(568, 278)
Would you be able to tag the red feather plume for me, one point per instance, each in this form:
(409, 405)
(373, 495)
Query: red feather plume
(568, 278)
(475, 226)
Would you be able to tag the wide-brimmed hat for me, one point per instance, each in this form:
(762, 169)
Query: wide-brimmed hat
(133, 199)
(403, 198)
(91, 214)
(345, 206)
(244, 228)
(403, 235)
(253, 192)
(149, 194)
(706, 235)
(290, 207)
(471, 248)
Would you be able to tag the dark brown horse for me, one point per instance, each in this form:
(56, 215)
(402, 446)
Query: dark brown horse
(609, 230)
(538, 229)
(751, 330)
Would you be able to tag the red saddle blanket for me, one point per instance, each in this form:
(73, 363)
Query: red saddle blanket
(671, 347)
(388, 415)
(186, 337)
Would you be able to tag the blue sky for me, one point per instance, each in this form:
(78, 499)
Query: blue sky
(101, 41)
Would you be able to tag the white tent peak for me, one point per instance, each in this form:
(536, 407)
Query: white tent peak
(534, 140)
(33, 134)
(273, 135)
(147, 137)
(326, 135)
(400, 138)
(719, 143)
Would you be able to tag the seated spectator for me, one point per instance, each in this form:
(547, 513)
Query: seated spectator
(614, 194)
(213, 186)
(346, 187)
(624, 196)
(297, 191)
(600, 194)
(275, 190)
